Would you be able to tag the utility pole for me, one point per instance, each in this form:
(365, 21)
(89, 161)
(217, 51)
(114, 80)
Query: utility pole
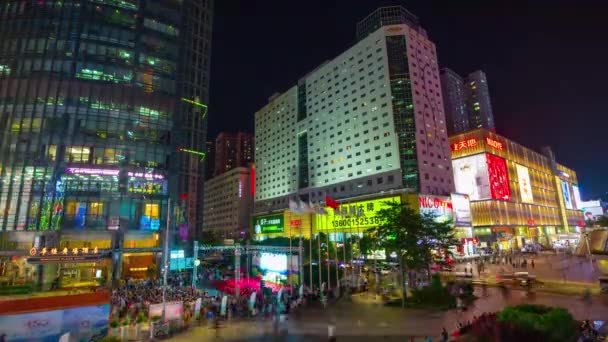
(237, 271)
(166, 256)
(194, 264)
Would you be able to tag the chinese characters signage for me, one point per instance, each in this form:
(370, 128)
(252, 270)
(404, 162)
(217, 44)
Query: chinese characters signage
(49, 255)
(472, 142)
(355, 215)
(463, 144)
(268, 224)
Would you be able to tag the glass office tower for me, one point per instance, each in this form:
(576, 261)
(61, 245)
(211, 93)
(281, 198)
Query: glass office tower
(96, 99)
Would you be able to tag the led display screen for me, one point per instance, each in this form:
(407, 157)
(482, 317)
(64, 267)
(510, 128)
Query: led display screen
(462, 210)
(525, 188)
(566, 194)
(471, 177)
(499, 177)
(268, 224)
(440, 207)
(273, 262)
(576, 192)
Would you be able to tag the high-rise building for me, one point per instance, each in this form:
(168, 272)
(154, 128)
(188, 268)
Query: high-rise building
(479, 106)
(228, 203)
(456, 114)
(517, 196)
(96, 97)
(209, 160)
(367, 121)
(233, 150)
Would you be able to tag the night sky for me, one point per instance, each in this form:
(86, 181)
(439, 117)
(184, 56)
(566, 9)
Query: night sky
(546, 63)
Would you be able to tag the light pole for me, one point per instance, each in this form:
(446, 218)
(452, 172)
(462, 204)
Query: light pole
(166, 256)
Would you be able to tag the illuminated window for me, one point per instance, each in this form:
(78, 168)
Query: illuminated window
(70, 208)
(77, 154)
(95, 208)
(152, 211)
(51, 152)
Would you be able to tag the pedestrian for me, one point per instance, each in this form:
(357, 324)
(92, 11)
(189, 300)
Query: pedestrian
(532, 263)
(444, 335)
(331, 332)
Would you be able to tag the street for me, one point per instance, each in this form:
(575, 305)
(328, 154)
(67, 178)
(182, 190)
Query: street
(362, 322)
(549, 266)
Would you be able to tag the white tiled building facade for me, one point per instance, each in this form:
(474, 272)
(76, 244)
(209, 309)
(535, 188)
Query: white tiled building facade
(228, 202)
(370, 120)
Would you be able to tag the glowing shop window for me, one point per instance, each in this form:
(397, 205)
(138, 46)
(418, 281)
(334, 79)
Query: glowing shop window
(95, 208)
(152, 211)
(71, 207)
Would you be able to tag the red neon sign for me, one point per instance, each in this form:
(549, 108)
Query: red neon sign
(433, 202)
(468, 143)
(295, 223)
(496, 144)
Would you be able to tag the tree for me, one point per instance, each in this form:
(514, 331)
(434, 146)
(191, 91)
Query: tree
(412, 236)
(601, 221)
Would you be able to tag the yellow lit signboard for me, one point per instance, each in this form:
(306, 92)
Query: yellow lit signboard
(355, 215)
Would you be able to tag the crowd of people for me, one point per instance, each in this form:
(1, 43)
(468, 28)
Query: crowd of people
(146, 292)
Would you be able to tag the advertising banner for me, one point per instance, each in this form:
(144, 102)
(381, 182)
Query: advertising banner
(269, 224)
(197, 306)
(173, 310)
(462, 210)
(471, 177)
(355, 215)
(83, 324)
(567, 196)
(576, 192)
(223, 306)
(525, 187)
(499, 177)
(440, 207)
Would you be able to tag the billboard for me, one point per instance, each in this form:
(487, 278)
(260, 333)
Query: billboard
(273, 262)
(85, 323)
(461, 206)
(355, 215)
(173, 310)
(268, 224)
(567, 196)
(471, 177)
(525, 187)
(440, 207)
(576, 192)
(499, 177)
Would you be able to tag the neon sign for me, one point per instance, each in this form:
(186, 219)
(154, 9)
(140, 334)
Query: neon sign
(112, 172)
(198, 104)
(468, 143)
(198, 153)
(494, 143)
(93, 172)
